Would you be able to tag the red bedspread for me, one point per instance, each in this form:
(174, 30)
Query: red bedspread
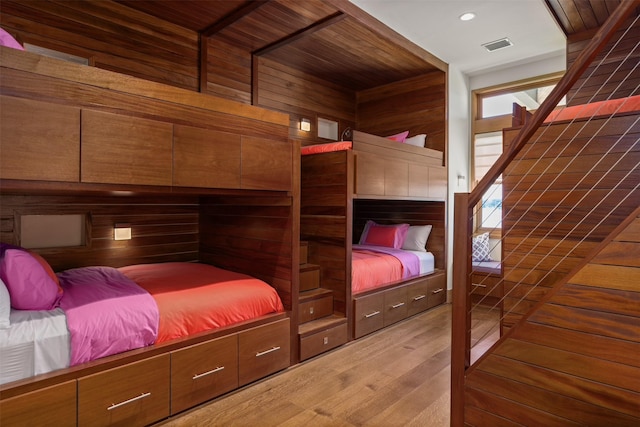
(193, 297)
(326, 148)
(600, 108)
(371, 269)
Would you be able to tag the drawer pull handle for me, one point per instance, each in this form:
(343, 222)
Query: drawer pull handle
(133, 399)
(271, 350)
(437, 291)
(375, 313)
(479, 286)
(204, 374)
(419, 297)
(398, 305)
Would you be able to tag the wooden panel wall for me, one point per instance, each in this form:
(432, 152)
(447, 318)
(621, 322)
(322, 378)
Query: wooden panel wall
(112, 36)
(613, 67)
(556, 208)
(574, 361)
(286, 89)
(164, 228)
(417, 105)
(405, 211)
(252, 235)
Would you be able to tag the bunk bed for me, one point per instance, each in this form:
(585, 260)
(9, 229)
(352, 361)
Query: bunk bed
(113, 148)
(349, 187)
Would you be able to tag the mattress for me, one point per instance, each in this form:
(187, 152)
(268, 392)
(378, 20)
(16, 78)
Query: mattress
(600, 108)
(105, 314)
(37, 342)
(374, 267)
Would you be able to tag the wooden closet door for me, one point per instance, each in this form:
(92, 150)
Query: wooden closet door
(120, 149)
(40, 140)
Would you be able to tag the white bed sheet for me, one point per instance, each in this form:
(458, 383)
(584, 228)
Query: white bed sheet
(35, 343)
(427, 264)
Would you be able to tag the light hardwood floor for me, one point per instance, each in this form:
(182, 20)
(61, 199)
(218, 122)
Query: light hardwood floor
(399, 376)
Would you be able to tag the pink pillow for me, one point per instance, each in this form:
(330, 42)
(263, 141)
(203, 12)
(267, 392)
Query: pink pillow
(391, 236)
(29, 284)
(399, 137)
(7, 39)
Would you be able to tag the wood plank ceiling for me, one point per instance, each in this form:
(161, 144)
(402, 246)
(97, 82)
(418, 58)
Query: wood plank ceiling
(576, 16)
(314, 36)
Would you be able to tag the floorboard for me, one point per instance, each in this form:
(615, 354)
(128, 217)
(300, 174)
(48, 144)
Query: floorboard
(399, 376)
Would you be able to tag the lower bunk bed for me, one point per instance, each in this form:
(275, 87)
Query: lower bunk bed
(132, 332)
(354, 195)
(97, 312)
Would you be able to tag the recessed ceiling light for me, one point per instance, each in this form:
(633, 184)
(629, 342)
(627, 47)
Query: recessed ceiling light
(468, 16)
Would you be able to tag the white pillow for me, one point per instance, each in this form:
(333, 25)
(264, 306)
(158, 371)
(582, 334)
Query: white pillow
(416, 239)
(5, 306)
(417, 140)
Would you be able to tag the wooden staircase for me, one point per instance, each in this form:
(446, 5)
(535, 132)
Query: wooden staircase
(319, 330)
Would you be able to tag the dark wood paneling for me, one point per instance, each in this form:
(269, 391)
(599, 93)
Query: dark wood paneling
(111, 35)
(164, 228)
(417, 105)
(613, 73)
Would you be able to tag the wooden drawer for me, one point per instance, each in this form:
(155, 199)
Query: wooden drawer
(395, 305)
(52, 406)
(322, 341)
(368, 314)
(417, 300)
(309, 277)
(437, 289)
(316, 308)
(263, 350)
(136, 394)
(203, 371)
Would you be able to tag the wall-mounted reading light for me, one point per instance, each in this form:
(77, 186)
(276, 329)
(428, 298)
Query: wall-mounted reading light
(122, 232)
(305, 125)
(461, 180)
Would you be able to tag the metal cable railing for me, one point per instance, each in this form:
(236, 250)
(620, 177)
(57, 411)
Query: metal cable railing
(558, 199)
(480, 303)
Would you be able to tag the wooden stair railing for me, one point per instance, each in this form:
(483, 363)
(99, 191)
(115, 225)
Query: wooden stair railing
(464, 204)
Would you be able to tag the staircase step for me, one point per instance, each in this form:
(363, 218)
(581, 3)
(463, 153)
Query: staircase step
(314, 305)
(304, 252)
(309, 276)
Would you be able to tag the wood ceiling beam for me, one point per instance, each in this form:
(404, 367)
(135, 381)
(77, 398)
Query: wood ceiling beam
(232, 17)
(316, 26)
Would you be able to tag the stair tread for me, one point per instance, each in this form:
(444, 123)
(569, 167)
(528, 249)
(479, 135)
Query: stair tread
(317, 325)
(314, 294)
(309, 267)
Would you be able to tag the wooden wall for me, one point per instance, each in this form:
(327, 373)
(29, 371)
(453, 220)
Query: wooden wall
(285, 89)
(574, 361)
(417, 105)
(112, 36)
(613, 67)
(164, 228)
(556, 209)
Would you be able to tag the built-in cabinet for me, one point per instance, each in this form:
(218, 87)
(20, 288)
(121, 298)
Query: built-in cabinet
(148, 390)
(377, 309)
(75, 145)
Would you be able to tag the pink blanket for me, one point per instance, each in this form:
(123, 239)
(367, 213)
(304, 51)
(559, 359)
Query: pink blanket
(107, 313)
(376, 266)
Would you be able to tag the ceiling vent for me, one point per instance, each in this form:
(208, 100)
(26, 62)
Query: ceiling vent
(497, 44)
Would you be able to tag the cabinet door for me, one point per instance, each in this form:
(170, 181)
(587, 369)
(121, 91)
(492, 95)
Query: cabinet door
(205, 158)
(264, 350)
(395, 305)
(437, 289)
(52, 406)
(369, 174)
(203, 371)
(40, 140)
(266, 164)
(396, 178)
(136, 394)
(368, 314)
(119, 149)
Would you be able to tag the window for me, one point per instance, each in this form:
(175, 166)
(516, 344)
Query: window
(493, 107)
